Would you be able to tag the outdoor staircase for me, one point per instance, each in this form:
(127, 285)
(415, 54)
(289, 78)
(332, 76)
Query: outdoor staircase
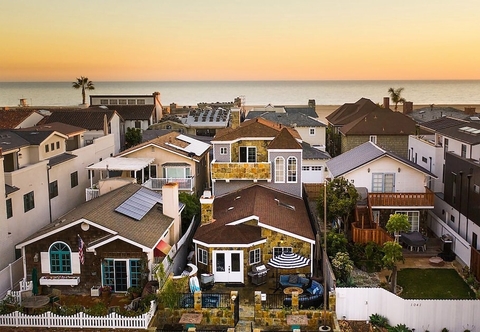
(247, 319)
(363, 217)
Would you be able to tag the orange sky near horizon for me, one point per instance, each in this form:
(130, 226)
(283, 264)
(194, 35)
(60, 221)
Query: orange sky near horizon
(238, 40)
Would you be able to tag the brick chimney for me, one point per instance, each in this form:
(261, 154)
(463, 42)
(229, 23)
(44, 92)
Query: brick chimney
(470, 110)
(311, 103)
(386, 102)
(170, 199)
(235, 117)
(206, 202)
(407, 107)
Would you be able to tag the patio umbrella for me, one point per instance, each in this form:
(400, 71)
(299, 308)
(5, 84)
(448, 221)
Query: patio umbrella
(34, 281)
(287, 260)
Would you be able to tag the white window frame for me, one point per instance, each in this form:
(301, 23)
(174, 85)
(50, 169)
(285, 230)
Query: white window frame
(383, 177)
(257, 254)
(280, 250)
(202, 256)
(223, 151)
(373, 139)
(292, 173)
(248, 154)
(279, 169)
(311, 131)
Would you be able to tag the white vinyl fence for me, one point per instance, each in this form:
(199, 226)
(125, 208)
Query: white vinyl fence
(10, 277)
(79, 320)
(433, 315)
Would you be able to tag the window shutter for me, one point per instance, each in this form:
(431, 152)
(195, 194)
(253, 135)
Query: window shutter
(45, 262)
(75, 263)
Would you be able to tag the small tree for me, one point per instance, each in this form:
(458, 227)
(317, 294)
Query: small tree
(192, 208)
(133, 136)
(393, 254)
(342, 266)
(341, 200)
(84, 84)
(397, 223)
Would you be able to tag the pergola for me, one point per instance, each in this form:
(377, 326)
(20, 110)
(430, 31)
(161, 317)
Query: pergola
(120, 164)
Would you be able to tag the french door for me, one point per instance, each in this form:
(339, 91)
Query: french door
(228, 266)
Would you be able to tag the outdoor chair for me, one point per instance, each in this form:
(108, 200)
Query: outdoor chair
(133, 306)
(55, 296)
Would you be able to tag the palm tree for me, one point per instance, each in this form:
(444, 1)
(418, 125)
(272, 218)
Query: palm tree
(84, 84)
(395, 94)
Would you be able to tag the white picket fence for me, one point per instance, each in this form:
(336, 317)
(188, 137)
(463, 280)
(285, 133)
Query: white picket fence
(80, 320)
(432, 315)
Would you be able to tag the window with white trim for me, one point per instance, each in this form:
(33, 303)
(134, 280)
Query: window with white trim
(373, 139)
(60, 258)
(280, 250)
(248, 154)
(280, 169)
(383, 182)
(312, 131)
(254, 256)
(202, 256)
(305, 168)
(223, 151)
(413, 219)
(316, 168)
(292, 170)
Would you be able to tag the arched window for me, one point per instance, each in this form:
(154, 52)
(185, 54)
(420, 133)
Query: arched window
(279, 169)
(292, 169)
(60, 258)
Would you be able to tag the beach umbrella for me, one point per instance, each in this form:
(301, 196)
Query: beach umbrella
(34, 281)
(289, 260)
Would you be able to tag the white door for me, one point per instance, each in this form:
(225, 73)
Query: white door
(228, 266)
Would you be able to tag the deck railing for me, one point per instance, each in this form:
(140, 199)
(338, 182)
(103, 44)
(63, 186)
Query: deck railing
(365, 235)
(157, 183)
(402, 199)
(91, 193)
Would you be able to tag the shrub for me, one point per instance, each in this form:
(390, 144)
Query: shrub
(336, 242)
(399, 328)
(342, 266)
(378, 320)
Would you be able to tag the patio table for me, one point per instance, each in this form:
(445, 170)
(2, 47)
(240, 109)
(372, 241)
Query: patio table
(413, 240)
(34, 302)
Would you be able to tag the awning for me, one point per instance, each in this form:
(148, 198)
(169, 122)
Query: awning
(162, 249)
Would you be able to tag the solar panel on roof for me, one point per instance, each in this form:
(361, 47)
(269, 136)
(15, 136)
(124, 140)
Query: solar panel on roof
(138, 205)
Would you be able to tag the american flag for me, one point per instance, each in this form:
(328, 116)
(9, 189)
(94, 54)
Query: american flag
(81, 256)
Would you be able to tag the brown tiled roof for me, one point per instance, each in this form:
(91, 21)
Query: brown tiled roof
(349, 112)
(166, 142)
(270, 206)
(442, 123)
(257, 127)
(9, 119)
(62, 128)
(381, 121)
(284, 140)
(90, 119)
(134, 112)
(101, 211)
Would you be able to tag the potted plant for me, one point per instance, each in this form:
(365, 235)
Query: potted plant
(105, 290)
(134, 291)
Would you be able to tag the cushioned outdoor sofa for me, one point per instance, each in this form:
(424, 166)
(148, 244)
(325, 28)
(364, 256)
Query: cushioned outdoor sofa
(293, 280)
(310, 298)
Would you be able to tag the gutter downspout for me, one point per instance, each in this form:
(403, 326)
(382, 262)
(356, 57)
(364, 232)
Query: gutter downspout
(48, 192)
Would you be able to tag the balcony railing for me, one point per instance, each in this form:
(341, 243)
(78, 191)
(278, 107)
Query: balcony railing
(241, 171)
(402, 199)
(91, 193)
(157, 183)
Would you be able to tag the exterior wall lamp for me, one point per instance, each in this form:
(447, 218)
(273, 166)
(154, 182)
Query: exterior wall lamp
(35, 257)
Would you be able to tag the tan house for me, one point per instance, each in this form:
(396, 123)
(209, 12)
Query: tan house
(247, 227)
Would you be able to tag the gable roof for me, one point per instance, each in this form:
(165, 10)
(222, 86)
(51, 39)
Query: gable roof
(10, 119)
(309, 111)
(63, 128)
(284, 140)
(363, 154)
(309, 152)
(271, 208)
(467, 132)
(442, 123)
(90, 118)
(174, 142)
(9, 141)
(101, 212)
(351, 111)
(293, 119)
(380, 121)
(255, 128)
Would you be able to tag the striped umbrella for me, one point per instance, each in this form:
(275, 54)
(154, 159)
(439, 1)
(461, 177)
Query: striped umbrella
(289, 260)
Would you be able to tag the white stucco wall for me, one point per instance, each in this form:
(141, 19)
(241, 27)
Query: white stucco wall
(318, 139)
(422, 148)
(407, 180)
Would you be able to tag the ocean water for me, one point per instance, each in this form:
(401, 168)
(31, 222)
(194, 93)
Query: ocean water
(253, 92)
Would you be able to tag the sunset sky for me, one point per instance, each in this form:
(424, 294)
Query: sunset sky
(239, 40)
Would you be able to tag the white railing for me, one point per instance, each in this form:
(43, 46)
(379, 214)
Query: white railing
(79, 320)
(433, 315)
(91, 194)
(11, 277)
(157, 183)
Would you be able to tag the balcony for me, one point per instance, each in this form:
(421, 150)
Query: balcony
(91, 193)
(241, 171)
(424, 200)
(186, 184)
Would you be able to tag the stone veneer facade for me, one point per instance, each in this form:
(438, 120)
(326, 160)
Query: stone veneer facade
(398, 144)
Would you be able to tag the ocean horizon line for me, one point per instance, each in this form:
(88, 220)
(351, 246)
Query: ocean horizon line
(279, 80)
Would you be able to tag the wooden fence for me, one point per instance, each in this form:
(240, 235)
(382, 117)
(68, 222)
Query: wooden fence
(79, 320)
(402, 199)
(377, 235)
(313, 190)
(475, 263)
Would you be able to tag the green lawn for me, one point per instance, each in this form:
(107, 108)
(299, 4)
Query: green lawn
(433, 284)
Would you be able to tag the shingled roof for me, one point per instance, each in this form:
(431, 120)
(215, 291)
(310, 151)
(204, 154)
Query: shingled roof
(284, 140)
(90, 118)
(351, 111)
(293, 119)
(10, 119)
(272, 209)
(255, 128)
(101, 211)
(134, 112)
(380, 121)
